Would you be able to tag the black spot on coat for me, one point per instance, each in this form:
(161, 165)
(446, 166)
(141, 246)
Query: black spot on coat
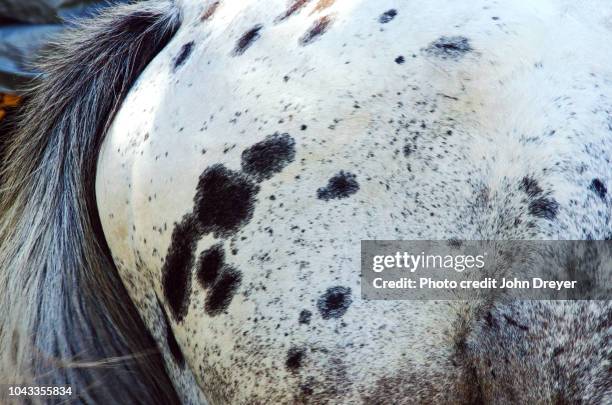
(599, 188)
(530, 186)
(176, 271)
(210, 264)
(173, 345)
(544, 207)
(295, 356)
(342, 185)
(224, 200)
(222, 292)
(387, 16)
(269, 156)
(305, 317)
(400, 60)
(247, 39)
(490, 320)
(449, 47)
(183, 54)
(335, 302)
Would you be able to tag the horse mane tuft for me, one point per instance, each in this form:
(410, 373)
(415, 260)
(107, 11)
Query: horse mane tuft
(66, 317)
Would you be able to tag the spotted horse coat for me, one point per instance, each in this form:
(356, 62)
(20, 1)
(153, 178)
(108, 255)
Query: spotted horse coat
(260, 143)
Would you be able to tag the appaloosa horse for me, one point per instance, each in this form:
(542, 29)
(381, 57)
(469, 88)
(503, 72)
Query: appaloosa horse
(184, 199)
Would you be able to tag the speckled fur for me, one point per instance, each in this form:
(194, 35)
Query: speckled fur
(269, 138)
(478, 120)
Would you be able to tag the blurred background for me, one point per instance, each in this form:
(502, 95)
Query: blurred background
(25, 27)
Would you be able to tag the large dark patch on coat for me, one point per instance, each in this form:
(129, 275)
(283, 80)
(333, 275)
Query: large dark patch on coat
(269, 156)
(176, 271)
(224, 200)
(222, 291)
